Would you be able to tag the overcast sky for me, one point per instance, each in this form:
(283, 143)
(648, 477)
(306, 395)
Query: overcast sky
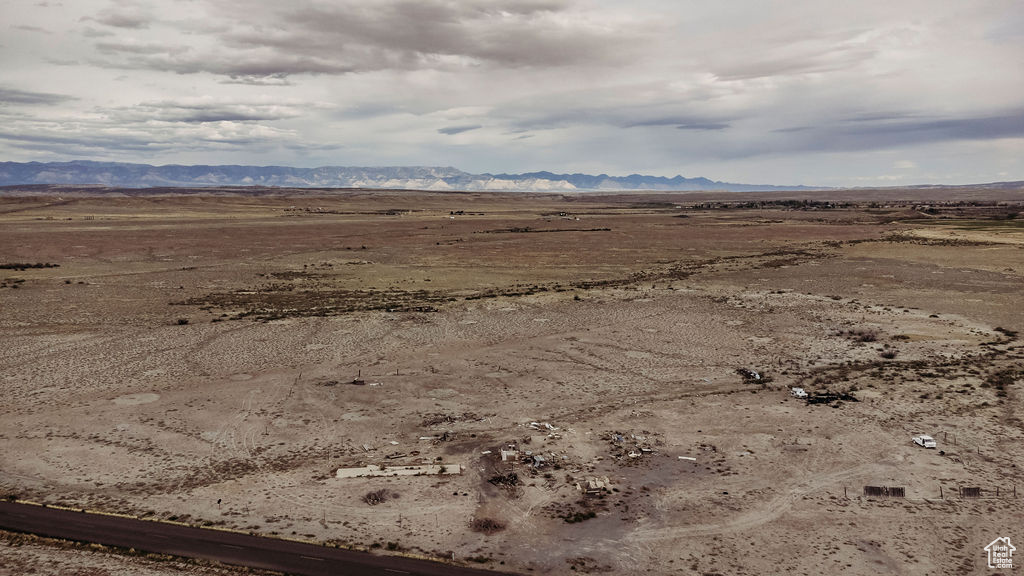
(873, 92)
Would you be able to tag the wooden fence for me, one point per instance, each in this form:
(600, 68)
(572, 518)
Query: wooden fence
(961, 491)
(885, 491)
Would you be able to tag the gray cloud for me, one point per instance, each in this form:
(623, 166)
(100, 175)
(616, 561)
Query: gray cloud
(680, 122)
(305, 147)
(90, 32)
(124, 15)
(12, 96)
(452, 130)
(368, 110)
(311, 38)
(241, 68)
(135, 48)
(873, 117)
(274, 80)
(792, 129)
(28, 28)
(80, 145)
(411, 32)
(62, 62)
(567, 85)
(162, 127)
(704, 126)
(662, 121)
(885, 131)
(1009, 124)
(619, 108)
(203, 112)
(103, 140)
(800, 63)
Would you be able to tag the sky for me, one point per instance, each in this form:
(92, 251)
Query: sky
(862, 93)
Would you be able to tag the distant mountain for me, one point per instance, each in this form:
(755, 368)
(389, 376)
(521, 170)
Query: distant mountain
(395, 177)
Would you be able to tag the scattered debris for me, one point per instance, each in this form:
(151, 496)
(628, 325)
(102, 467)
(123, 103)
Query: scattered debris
(831, 398)
(439, 418)
(424, 470)
(748, 374)
(751, 376)
(507, 480)
(594, 486)
(632, 446)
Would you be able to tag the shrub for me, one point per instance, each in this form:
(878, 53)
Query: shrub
(867, 336)
(860, 335)
(1000, 380)
(486, 525)
(1005, 332)
(378, 496)
(579, 516)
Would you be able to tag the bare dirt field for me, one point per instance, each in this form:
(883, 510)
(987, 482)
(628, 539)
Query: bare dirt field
(215, 358)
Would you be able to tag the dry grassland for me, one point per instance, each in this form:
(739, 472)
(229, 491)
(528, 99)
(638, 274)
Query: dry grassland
(190, 348)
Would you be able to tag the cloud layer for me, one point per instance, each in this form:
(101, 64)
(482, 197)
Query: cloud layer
(800, 92)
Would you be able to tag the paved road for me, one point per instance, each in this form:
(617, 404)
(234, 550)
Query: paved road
(227, 547)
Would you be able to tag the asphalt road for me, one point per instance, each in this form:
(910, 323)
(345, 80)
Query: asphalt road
(227, 547)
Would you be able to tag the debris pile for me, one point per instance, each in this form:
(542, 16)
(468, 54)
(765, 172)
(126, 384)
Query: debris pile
(594, 486)
(632, 446)
(834, 399)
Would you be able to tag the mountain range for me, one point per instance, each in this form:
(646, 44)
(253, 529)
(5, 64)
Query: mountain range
(123, 175)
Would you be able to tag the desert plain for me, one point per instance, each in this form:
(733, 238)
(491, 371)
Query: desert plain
(604, 379)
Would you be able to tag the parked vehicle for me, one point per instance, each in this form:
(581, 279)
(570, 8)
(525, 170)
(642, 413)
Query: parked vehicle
(925, 441)
(798, 393)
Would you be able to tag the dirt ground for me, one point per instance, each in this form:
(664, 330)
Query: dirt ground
(192, 357)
